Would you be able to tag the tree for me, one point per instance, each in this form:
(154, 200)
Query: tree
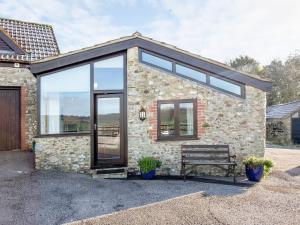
(246, 64)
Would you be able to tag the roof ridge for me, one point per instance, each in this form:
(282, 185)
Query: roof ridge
(22, 21)
(288, 103)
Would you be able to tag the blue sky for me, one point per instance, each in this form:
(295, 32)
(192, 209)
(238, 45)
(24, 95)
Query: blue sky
(221, 30)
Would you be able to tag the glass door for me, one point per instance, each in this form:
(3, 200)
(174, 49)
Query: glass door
(109, 129)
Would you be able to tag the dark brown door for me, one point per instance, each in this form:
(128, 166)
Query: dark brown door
(109, 130)
(9, 119)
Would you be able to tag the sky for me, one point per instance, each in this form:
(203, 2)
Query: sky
(216, 29)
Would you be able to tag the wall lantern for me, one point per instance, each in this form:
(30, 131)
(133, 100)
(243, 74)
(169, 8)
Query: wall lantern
(142, 114)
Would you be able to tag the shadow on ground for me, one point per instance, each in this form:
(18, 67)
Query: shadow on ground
(48, 197)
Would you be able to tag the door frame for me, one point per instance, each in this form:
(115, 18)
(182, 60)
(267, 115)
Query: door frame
(110, 162)
(93, 94)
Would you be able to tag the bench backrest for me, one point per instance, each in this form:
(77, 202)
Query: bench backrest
(203, 153)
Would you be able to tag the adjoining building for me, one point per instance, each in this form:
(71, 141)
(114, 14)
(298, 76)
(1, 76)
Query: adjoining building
(108, 105)
(283, 123)
(20, 43)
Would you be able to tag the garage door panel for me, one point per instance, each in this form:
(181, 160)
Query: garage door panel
(9, 119)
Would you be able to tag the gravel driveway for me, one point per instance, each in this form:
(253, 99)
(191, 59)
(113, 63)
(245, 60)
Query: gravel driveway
(39, 197)
(275, 200)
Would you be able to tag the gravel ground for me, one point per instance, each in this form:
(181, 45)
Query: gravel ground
(49, 197)
(275, 200)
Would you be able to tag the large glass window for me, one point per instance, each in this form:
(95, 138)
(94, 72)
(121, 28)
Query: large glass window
(65, 101)
(156, 61)
(176, 119)
(225, 85)
(183, 70)
(109, 74)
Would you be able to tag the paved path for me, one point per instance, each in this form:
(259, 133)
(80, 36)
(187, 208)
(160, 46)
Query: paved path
(275, 200)
(39, 197)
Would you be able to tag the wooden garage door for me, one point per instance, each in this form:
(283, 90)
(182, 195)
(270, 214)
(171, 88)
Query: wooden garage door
(9, 119)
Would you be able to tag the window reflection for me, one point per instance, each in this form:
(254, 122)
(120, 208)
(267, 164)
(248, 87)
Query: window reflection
(191, 73)
(65, 101)
(109, 74)
(225, 85)
(186, 119)
(167, 120)
(157, 61)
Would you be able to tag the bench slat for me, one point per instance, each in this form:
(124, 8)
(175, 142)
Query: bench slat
(208, 163)
(203, 151)
(204, 146)
(214, 158)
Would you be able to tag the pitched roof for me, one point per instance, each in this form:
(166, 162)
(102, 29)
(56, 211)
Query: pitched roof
(137, 40)
(282, 110)
(34, 41)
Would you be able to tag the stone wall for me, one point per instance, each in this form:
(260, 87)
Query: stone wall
(68, 153)
(231, 120)
(279, 131)
(22, 77)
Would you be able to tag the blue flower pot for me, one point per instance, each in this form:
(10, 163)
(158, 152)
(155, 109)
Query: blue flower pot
(254, 173)
(149, 176)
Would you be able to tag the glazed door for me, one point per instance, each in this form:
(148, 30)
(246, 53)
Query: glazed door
(109, 130)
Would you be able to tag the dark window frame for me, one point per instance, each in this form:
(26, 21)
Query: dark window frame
(177, 136)
(92, 92)
(207, 73)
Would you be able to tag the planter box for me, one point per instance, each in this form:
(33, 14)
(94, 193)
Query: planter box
(254, 173)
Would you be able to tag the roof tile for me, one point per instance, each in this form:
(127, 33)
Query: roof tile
(37, 40)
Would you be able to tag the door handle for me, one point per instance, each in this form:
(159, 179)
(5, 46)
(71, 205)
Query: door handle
(95, 126)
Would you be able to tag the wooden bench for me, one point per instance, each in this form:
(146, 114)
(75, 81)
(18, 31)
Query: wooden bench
(215, 155)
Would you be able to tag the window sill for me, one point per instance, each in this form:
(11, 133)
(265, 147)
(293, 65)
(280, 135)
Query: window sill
(177, 139)
(63, 135)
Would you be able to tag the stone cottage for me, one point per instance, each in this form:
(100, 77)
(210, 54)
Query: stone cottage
(283, 123)
(20, 43)
(108, 105)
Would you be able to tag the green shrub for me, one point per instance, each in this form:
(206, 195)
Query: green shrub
(255, 162)
(147, 164)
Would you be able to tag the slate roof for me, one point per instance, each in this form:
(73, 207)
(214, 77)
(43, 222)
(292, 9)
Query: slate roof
(283, 110)
(36, 40)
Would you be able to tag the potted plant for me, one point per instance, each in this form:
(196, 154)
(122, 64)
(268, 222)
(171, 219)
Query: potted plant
(256, 168)
(148, 166)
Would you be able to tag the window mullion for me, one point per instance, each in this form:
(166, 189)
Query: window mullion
(177, 133)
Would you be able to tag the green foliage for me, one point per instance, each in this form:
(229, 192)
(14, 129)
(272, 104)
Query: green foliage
(147, 164)
(285, 76)
(246, 64)
(255, 162)
(205, 125)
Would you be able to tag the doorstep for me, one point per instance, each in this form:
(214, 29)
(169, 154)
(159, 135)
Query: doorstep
(109, 173)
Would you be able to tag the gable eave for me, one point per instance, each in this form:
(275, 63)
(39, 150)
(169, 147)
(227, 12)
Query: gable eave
(11, 43)
(68, 59)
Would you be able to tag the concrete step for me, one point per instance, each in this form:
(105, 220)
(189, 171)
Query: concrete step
(119, 172)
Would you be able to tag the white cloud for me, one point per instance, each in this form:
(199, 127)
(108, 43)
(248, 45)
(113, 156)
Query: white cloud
(216, 29)
(225, 29)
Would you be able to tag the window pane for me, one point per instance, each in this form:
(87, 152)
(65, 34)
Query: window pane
(109, 74)
(65, 101)
(191, 73)
(186, 119)
(167, 121)
(225, 85)
(157, 61)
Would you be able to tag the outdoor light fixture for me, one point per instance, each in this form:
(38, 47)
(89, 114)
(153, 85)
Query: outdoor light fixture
(142, 114)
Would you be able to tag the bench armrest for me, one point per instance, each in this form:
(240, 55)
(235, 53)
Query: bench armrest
(233, 157)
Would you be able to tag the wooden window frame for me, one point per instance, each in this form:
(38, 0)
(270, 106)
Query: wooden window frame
(177, 136)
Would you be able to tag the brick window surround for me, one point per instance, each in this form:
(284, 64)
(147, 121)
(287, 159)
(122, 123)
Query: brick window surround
(153, 119)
